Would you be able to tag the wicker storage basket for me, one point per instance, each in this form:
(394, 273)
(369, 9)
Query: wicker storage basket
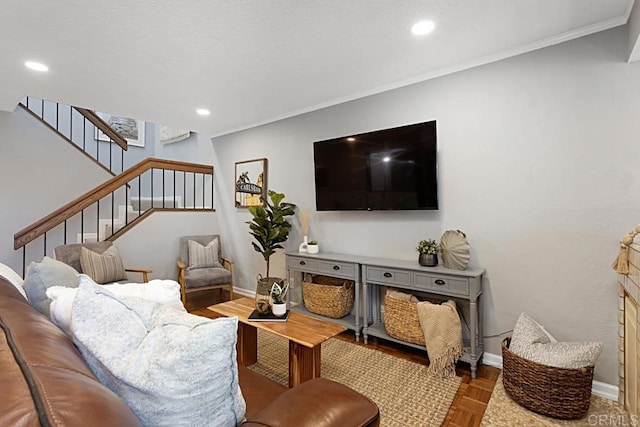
(328, 296)
(556, 392)
(401, 320)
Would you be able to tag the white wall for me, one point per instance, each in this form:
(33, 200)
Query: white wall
(537, 164)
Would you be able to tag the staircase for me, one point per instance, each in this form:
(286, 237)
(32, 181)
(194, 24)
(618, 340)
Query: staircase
(111, 209)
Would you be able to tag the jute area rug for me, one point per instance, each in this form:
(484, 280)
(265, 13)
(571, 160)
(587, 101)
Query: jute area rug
(403, 391)
(502, 411)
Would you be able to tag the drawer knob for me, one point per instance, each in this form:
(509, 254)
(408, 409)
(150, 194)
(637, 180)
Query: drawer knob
(336, 267)
(303, 263)
(387, 274)
(440, 282)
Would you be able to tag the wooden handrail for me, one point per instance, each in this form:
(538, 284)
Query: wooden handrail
(62, 214)
(103, 126)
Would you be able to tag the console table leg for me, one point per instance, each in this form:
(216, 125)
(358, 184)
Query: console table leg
(357, 308)
(473, 308)
(365, 326)
(247, 345)
(304, 363)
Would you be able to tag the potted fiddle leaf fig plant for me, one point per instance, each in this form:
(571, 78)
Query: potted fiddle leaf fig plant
(428, 250)
(270, 228)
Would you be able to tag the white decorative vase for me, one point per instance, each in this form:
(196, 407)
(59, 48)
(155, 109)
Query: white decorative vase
(279, 310)
(303, 245)
(313, 249)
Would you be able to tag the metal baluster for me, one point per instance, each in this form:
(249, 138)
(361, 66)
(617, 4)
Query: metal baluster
(194, 190)
(84, 135)
(112, 215)
(98, 222)
(174, 189)
(139, 195)
(57, 115)
(151, 188)
(202, 191)
(65, 231)
(110, 154)
(45, 243)
(71, 123)
(42, 110)
(184, 190)
(126, 205)
(82, 226)
(211, 191)
(24, 258)
(163, 171)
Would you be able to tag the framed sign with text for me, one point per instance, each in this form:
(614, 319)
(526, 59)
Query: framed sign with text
(251, 183)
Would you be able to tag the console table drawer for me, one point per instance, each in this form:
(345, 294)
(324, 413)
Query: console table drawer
(389, 276)
(441, 284)
(301, 263)
(337, 269)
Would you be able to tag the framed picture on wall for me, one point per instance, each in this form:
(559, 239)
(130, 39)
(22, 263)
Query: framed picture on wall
(130, 129)
(251, 183)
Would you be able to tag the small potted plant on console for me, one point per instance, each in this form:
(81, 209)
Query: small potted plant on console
(428, 250)
(312, 247)
(278, 294)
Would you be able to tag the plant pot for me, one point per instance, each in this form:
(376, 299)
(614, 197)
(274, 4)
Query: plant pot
(279, 310)
(313, 249)
(428, 260)
(263, 287)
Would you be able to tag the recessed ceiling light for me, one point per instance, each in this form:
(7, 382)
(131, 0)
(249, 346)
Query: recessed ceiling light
(351, 139)
(386, 159)
(422, 28)
(37, 66)
(203, 111)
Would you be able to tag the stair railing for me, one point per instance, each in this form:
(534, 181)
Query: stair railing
(81, 128)
(151, 185)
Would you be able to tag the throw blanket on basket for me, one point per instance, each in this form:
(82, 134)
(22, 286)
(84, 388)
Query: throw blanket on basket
(440, 324)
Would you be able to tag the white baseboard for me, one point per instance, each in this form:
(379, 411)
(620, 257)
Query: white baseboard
(244, 292)
(604, 390)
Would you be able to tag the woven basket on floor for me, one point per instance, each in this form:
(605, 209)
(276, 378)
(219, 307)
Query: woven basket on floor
(328, 296)
(555, 392)
(401, 320)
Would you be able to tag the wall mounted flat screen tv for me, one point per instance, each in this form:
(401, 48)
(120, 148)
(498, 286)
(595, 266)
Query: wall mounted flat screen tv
(390, 169)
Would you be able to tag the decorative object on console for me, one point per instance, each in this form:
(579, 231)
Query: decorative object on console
(313, 247)
(278, 294)
(251, 183)
(621, 263)
(304, 225)
(328, 296)
(428, 250)
(455, 249)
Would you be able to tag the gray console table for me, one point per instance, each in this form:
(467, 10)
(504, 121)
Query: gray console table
(334, 265)
(373, 275)
(465, 285)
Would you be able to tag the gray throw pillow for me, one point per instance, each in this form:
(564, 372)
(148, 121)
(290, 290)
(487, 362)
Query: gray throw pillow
(170, 367)
(43, 275)
(106, 267)
(532, 342)
(203, 256)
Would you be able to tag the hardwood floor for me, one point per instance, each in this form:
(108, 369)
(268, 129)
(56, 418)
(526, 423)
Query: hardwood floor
(470, 401)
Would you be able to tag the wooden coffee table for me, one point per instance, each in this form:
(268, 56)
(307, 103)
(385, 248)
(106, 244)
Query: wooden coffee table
(305, 334)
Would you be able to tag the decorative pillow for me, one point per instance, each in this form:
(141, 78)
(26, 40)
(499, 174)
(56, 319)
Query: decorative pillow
(532, 342)
(170, 367)
(43, 275)
(203, 256)
(166, 292)
(103, 268)
(14, 278)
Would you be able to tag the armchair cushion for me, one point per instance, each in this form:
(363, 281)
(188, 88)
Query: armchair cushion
(200, 277)
(201, 256)
(106, 267)
(43, 275)
(170, 367)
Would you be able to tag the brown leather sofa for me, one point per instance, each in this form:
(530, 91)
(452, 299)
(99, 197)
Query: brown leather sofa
(46, 382)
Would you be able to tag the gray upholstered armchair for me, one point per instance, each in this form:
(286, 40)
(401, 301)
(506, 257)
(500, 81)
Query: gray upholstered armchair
(201, 265)
(101, 261)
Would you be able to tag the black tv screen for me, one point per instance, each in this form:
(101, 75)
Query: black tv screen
(391, 169)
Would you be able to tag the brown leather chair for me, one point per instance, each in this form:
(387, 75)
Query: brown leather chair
(201, 279)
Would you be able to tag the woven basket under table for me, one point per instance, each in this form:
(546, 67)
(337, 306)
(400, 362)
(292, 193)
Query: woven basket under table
(556, 392)
(401, 320)
(328, 296)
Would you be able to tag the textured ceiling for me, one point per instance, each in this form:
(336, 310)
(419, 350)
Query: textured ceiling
(255, 61)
